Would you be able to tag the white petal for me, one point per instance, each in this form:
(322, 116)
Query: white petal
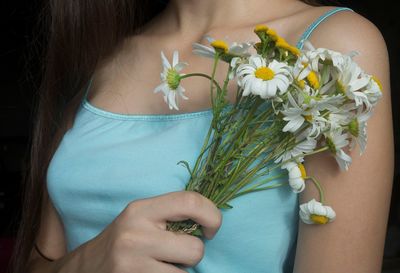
(165, 61)
(179, 66)
(175, 58)
(162, 87)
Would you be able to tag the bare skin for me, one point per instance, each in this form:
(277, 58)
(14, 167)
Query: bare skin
(124, 84)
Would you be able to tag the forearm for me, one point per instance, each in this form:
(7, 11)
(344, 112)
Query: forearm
(66, 264)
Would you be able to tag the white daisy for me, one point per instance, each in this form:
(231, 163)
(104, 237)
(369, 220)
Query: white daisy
(306, 108)
(320, 67)
(171, 79)
(297, 174)
(373, 90)
(357, 128)
(338, 119)
(352, 82)
(314, 212)
(336, 140)
(258, 78)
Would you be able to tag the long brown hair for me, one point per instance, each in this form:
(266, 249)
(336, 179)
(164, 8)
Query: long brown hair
(80, 34)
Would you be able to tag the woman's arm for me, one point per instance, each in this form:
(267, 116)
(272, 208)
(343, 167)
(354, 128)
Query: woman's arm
(361, 196)
(50, 240)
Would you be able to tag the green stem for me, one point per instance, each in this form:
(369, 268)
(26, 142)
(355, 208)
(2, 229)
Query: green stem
(202, 75)
(260, 189)
(319, 187)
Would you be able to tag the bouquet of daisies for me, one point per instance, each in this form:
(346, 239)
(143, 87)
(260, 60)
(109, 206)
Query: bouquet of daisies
(289, 104)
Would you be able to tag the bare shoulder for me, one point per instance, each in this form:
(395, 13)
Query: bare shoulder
(346, 31)
(355, 241)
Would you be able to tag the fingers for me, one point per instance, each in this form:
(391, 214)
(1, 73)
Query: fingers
(151, 266)
(176, 248)
(167, 268)
(179, 206)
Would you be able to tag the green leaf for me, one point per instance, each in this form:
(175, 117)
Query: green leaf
(186, 165)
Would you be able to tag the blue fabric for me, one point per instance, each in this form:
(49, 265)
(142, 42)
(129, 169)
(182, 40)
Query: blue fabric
(306, 35)
(107, 160)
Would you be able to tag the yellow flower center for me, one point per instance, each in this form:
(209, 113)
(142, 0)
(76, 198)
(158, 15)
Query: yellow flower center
(319, 219)
(173, 79)
(308, 118)
(264, 73)
(378, 82)
(340, 87)
(313, 80)
(260, 28)
(354, 127)
(301, 83)
(331, 145)
(302, 170)
(220, 45)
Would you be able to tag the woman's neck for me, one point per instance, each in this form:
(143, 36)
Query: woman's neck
(182, 17)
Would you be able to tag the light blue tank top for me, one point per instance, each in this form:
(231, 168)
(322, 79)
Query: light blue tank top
(107, 160)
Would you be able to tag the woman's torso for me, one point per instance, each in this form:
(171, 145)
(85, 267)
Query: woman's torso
(107, 160)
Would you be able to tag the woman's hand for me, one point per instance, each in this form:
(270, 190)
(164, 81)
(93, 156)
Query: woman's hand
(137, 240)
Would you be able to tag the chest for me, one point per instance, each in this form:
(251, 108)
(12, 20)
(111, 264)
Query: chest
(125, 83)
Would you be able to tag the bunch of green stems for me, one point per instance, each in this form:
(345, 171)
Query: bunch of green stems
(239, 150)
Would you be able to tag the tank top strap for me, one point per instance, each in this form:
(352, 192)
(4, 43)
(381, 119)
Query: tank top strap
(315, 24)
(88, 87)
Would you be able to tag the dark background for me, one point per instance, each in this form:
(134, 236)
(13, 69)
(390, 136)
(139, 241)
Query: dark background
(19, 67)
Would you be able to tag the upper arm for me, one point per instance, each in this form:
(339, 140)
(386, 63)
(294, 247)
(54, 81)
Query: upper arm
(50, 238)
(360, 196)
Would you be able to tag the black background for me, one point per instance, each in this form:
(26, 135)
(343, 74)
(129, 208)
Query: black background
(19, 66)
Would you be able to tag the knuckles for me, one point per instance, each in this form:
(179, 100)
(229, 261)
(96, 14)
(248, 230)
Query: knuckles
(197, 251)
(191, 200)
(127, 242)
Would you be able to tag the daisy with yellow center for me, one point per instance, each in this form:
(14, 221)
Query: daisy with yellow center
(171, 79)
(378, 82)
(357, 127)
(352, 82)
(259, 78)
(297, 175)
(220, 46)
(336, 141)
(373, 90)
(314, 212)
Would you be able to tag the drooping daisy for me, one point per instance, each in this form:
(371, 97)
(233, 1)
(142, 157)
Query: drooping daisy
(314, 212)
(171, 79)
(338, 119)
(357, 127)
(297, 174)
(373, 90)
(336, 140)
(234, 49)
(352, 82)
(264, 80)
